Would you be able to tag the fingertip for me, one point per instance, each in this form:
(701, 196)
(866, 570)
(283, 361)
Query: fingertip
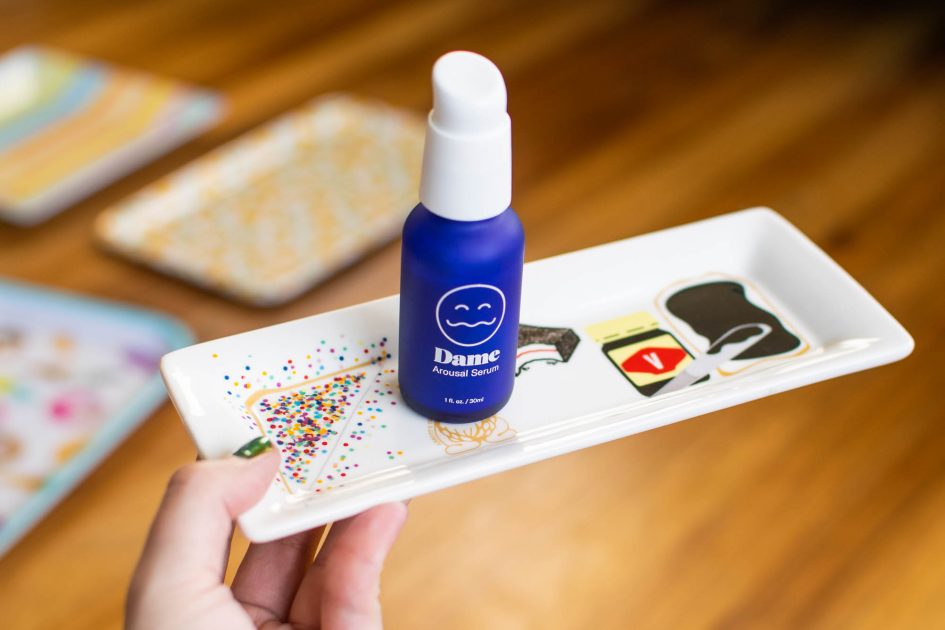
(253, 476)
(268, 460)
(195, 519)
(398, 509)
(384, 522)
(256, 446)
(238, 482)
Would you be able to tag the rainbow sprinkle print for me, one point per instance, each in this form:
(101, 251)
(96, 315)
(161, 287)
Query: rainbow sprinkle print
(320, 409)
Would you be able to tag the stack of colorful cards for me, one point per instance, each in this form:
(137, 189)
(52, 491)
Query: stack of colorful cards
(69, 126)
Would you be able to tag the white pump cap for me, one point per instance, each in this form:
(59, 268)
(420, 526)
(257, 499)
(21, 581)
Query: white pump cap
(467, 157)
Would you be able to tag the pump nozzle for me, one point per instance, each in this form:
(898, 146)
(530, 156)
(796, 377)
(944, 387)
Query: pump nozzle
(467, 158)
(468, 94)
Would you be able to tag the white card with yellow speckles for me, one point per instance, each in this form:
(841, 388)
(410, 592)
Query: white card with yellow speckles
(613, 340)
(283, 207)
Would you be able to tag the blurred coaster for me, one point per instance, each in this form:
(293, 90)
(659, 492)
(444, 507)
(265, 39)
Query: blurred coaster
(274, 212)
(69, 126)
(76, 376)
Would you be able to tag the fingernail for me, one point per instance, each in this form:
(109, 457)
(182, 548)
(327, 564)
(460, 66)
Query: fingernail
(256, 446)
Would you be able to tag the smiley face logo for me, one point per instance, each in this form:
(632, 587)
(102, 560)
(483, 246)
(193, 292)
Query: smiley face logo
(470, 315)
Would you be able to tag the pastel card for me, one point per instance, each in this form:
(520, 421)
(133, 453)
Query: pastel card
(76, 376)
(70, 125)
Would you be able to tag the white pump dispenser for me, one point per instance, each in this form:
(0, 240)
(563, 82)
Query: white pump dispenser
(467, 157)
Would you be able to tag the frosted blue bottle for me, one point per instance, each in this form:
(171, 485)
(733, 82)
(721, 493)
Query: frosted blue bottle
(463, 251)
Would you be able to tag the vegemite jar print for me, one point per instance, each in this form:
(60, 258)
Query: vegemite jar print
(645, 354)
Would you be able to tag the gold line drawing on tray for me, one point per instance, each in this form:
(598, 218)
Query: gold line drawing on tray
(462, 438)
(729, 292)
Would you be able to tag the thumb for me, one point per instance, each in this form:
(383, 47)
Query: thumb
(189, 538)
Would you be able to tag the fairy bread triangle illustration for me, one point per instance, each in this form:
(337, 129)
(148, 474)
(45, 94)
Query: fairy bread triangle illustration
(308, 421)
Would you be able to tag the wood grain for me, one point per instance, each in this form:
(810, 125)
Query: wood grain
(819, 508)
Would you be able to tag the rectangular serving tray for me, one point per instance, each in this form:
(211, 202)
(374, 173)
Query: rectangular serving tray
(77, 375)
(281, 208)
(614, 340)
(70, 125)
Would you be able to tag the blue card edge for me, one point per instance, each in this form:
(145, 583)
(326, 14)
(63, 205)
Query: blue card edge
(115, 429)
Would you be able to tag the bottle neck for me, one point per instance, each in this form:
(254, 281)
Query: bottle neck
(467, 177)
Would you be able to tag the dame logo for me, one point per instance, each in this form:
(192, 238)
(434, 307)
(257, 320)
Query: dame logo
(441, 355)
(470, 315)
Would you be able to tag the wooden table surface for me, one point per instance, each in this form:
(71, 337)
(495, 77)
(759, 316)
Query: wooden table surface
(823, 507)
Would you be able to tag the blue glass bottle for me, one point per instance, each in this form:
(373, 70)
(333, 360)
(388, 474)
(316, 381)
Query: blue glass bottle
(459, 312)
(463, 251)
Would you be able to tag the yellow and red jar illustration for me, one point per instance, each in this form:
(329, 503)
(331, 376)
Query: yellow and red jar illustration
(642, 352)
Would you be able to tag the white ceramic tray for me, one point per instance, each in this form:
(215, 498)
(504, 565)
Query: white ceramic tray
(615, 340)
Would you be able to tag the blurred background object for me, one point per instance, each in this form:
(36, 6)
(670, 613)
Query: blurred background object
(76, 377)
(270, 214)
(69, 126)
(820, 508)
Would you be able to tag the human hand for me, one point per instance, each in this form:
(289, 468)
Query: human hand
(178, 583)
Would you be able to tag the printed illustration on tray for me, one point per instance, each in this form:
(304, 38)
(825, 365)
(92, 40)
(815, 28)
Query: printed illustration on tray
(536, 345)
(539, 344)
(324, 409)
(319, 409)
(724, 325)
(726, 309)
(462, 438)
